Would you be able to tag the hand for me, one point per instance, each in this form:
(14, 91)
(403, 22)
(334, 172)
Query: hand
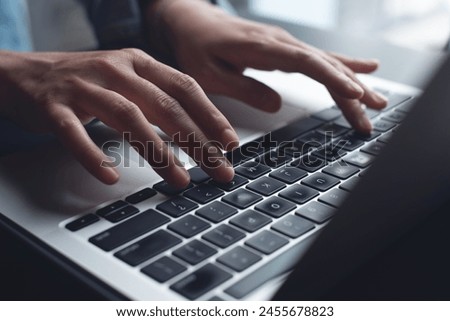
(127, 90)
(215, 48)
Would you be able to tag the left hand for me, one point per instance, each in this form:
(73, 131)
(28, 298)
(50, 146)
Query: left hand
(215, 48)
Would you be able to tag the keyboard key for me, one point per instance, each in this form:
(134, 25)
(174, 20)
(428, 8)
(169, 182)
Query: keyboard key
(312, 140)
(328, 114)
(201, 281)
(129, 230)
(239, 259)
(203, 193)
(350, 142)
(316, 212)
(365, 137)
(406, 106)
(266, 186)
(252, 170)
(359, 159)
(198, 175)
(395, 117)
(165, 188)
(223, 236)
(289, 174)
(350, 184)
(341, 170)
(140, 196)
(147, 248)
(266, 242)
(241, 198)
(386, 137)
(177, 206)
(216, 211)
(104, 211)
(194, 252)
(332, 130)
(82, 222)
(320, 181)
(299, 194)
(274, 159)
(330, 152)
(335, 197)
(309, 163)
(374, 148)
(294, 149)
(188, 226)
(121, 214)
(250, 221)
(371, 113)
(237, 182)
(383, 125)
(163, 269)
(293, 226)
(343, 122)
(275, 207)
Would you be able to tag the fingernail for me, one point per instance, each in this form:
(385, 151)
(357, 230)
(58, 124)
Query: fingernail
(365, 124)
(381, 98)
(356, 88)
(230, 139)
(113, 175)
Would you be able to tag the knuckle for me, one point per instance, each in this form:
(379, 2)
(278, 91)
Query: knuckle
(125, 111)
(65, 124)
(184, 83)
(134, 52)
(168, 107)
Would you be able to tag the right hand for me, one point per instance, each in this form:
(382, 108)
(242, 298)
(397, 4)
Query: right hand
(127, 90)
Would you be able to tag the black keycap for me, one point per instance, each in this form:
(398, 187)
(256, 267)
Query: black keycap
(275, 206)
(252, 170)
(266, 242)
(289, 174)
(294, 149)
(309, 163)
(332, 130)
(328, 114)
(198, 175)
(216, 211)
(194, 252)
(201, 281)
(395, 116)
(316, 212)
(371, 113)
(320, 181)
(242, 198)
(365, 137)
(165, 188)
(250, 221)
(140, 196)
(406, 106)
(223, 236)
(341, 170)
(330, 152)
(293, 226)
(239, 259)
(237, 182)
(274, 159)
(266, 186)
(177, 206)
(343, 122)
(163, 269)
(299, 194)
(386, 137)
(189, 226)
(350, 184)
(104, 211)
(129, 230)
(383, 125)
(82, 222)
(350, 142)
(147, 248)
(335, 197)
(312, 140)
(121, 214)
(203, 193)
(374, 148)
(359, 159)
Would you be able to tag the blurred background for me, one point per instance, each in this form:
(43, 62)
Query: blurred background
(418, 24)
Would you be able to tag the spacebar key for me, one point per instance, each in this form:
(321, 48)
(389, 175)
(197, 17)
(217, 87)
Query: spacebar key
(281, 264)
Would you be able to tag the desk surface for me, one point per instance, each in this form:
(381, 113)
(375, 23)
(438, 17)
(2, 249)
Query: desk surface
(27, 275)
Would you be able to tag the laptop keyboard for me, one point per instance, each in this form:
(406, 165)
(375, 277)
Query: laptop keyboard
(288, 184)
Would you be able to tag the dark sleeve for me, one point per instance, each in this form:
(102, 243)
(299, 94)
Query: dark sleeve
(117, 24)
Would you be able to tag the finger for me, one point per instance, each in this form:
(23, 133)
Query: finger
(354, 113)
(123, 115)
(357, 65)
(73, 135)
(246, 89)
(192, 99)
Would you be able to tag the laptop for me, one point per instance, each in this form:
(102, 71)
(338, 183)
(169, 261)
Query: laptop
(309, 193)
